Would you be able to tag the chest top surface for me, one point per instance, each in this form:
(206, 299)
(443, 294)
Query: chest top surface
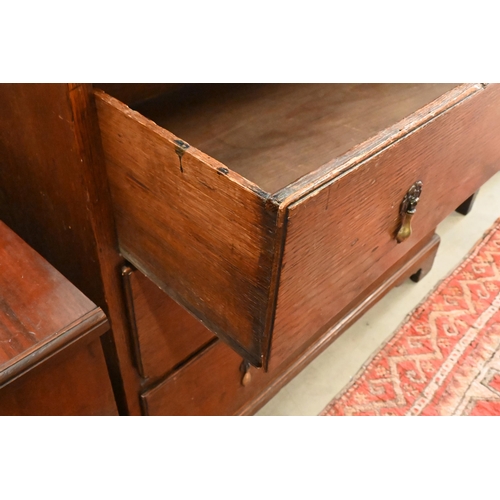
(40, 310)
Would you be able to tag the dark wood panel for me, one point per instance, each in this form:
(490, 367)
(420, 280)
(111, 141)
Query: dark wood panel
(199, 231)
(54, 194)
(102, 233)
(51, 359)
(38, 175)
(40, 311)
(297, 358)
(165, 333)
(273, 134)
(74, 382)
(34, 296)
(208, 385)
(341, 236)
(211, 384)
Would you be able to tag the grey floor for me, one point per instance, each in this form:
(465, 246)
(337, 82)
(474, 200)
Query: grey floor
(310, 391)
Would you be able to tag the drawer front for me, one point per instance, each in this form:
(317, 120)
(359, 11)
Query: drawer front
(164, 334)
(341, 237)
(210, 384)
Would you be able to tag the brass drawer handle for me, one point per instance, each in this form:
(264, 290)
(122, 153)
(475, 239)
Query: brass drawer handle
(408, 209)
(247, 375)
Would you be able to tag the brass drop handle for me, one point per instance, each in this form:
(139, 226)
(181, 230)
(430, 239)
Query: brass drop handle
(408, 209)
(247, 375)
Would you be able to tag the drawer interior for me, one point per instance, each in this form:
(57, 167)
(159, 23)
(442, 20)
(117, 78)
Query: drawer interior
(192, 169)
(273, 134)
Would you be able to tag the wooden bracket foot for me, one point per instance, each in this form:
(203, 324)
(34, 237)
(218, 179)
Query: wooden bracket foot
(467, 205)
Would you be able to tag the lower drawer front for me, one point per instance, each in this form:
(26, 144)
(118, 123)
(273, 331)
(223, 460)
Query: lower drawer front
(341, 237)
(164, 334)
(210, 384)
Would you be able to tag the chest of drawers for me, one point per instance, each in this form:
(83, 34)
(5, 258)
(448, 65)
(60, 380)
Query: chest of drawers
(261, 220)
(51, 360)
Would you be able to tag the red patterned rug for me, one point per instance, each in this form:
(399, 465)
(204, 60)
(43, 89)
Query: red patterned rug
(445, 359)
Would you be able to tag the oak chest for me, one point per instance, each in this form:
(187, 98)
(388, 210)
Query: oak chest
(256, 222)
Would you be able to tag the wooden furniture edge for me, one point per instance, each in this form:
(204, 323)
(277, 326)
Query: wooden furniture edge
(165, 134)
(127, 271)
(261, 247)
(362, 152)
(151, 385)
(393, 278)
(312, 183)
(279, 251)
(149, 382)
(91, 325)
(280, 201)
(125, 381)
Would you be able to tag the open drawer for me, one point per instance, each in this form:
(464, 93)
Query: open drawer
(265, 210)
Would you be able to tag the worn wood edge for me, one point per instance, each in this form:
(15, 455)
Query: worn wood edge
(364, 151)
(352, 168)
(152, 382)
(287, 206)
(279, 251)
(124, 378)
(152, 387)
(297, 191)
(149, 382)
(91, 325)
(269, 212)
(127, 272)
(165, 134)
(347, 320)
(198, 315)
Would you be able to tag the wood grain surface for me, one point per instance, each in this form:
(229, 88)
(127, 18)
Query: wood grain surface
(89, 166)
(54, 194)
(273, 134)
(208, 385)
(74, 382)
(165, 334)
(381, 140)
(198, 230)
(290, 362)
(41, 170)
(211, 383)
(341, 236)
(338, 246)
(40, 311)
(51, 359)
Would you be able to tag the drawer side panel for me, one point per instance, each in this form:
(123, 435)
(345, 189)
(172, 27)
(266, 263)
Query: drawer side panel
(198, 230)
